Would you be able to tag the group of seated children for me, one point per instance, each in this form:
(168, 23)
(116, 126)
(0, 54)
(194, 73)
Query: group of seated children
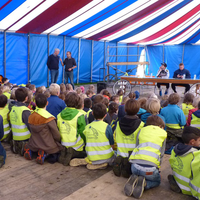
(131, 134)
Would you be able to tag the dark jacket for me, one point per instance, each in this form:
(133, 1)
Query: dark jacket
(181, 72)
(2, 150)
(53, 62)
(44, 134)
(129, 124)
(183, 149)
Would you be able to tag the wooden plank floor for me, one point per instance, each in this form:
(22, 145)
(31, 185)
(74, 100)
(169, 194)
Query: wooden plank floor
(22, 179)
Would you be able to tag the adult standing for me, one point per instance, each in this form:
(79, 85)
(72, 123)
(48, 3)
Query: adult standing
(181, 73)
(70, 64)
(163, 73)
(53, 65)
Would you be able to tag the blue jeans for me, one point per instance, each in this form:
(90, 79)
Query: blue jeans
(54, 75)
(152, 178)
(69, 75)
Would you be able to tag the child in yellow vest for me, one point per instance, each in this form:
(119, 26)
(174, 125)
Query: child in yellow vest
(187, 104)
(6, 91)
(184, 162)
(71, 124)
(4, 113)
(19, 121)
(99, 142)
(146, 157)
(45, 137)
(2, 150)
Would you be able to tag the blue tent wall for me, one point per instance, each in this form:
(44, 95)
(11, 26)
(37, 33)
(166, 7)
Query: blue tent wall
(1, 53)
(16, 58)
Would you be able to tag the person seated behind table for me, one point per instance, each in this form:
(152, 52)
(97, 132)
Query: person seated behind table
(2, 150)
(99, 142)
(195, 105)
(55, 105)
(45, 137)
(125, 137)
(4, 113)
(163, 72)
(71, 124)
(174, 119)
(184, 162)
(152, 108)
(187, 104)
(181, 73)
(19, 121)
(146, 158)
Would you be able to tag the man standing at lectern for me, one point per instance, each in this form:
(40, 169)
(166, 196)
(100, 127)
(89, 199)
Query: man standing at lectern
(163, 73)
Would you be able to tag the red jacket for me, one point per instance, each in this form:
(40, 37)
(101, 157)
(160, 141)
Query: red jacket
(190, 115)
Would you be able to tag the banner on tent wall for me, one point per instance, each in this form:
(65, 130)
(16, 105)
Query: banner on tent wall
(1, 53)
(17, 58)
(38, 60)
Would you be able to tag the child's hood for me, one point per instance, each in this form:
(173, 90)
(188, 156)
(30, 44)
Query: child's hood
(69, 113)
(197, 113)
(183, 149)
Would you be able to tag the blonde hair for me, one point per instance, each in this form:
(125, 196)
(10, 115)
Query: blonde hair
(84, 96)
(43, 88)
(153, 106)
(5, 89)
(125, 99)
(196, 101)
(152, 96)
(69, 87)
(54, 89)
(78, 90)
(13, 93)
(91, 87)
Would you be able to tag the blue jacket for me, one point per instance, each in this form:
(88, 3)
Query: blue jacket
(55, 105)
(147, 114)
(2, 150)
(173, 115)
(181, 72)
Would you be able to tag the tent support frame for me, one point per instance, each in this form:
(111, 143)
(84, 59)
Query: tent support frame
(79, 54)
(4, 54)
(28, 73)
(48, 56)
(63, 68)
(92, 61)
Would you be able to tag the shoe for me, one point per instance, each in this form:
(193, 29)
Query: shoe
(27, 153)
(77, 162)
(173, 185)
(160, 92)
(166, 92)
(126, 168)
(41, 157)
(14, 146)
(62, 155)
(21, 147)
(117, 166)
(139, 188)
(2, 161)
(98, 166)
(68, 156)
(130, 185)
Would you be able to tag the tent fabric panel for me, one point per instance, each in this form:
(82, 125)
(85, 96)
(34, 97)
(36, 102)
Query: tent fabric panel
(17, 58)
(1, 54)
(56, 42)
(85, 61)
(38, 60)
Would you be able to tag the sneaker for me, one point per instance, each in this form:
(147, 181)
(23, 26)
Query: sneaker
(160, 92)
(173, 185)
(166, 92)
(139, 188)
(41, 157)
(117, 166)
(77, 162)
(68, 156)
(130, 185)
(98, 166)
(126, 168)
(27, 153)
(21, 147)
(62, 155)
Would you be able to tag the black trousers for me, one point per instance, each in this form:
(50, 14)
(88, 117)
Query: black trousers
(166, 84)
(187, 86)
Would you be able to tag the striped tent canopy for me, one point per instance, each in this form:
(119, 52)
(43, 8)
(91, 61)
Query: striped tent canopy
(127, 21)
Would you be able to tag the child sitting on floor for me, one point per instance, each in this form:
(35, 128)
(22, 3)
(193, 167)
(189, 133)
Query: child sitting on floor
(120, 93)
(187, 104)
(2, 150)
(112, 113)
(125, 137)
(195, 118)
(6, 91)
(45, 137)
(115, 98)
(146, 158)
(99, 141)
(19, 121)
(184, 162)
(4, 113)
(71, 124)
(89, 93)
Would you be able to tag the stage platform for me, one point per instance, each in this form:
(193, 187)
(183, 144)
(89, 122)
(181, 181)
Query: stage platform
(22, 179)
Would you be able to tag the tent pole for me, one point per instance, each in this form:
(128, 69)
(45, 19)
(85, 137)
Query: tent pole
(92, 61)
(163, 53)
(79, 53)
(127, 56)
(104, 65)
(183, 53)
(63, 58)
(4, 54)
(28, 57)
(48, 56)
